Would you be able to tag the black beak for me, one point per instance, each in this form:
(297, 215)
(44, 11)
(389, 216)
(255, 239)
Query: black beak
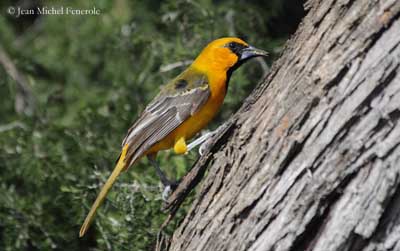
(251, 52)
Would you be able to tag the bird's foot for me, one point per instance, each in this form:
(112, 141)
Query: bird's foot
(166, 193)
(203, 141)
(205, 146)
(169, 187)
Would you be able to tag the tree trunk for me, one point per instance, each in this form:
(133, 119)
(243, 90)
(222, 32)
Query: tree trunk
(313, 159)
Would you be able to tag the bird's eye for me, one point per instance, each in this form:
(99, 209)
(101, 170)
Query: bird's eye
(235, 47)
(232, 45)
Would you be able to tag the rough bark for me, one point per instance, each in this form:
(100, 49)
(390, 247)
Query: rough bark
(312, 160)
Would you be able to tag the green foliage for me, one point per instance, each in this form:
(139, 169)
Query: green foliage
(91, 76)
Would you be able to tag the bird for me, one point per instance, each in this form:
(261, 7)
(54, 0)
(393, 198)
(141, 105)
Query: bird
(183, 107)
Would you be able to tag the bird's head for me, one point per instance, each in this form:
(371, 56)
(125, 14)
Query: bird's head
(226, 54)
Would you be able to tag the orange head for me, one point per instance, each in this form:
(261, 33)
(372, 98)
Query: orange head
(226, 54)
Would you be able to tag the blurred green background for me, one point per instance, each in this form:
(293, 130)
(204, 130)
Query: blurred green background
(81, 80)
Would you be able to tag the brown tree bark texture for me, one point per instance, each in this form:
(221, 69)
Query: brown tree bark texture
(313, 159)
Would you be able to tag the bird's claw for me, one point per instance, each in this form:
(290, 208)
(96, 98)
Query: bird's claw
(169, 187)
(166, 193)
(202, 149)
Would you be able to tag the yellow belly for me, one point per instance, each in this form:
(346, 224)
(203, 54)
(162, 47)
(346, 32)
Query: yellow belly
(192, 125)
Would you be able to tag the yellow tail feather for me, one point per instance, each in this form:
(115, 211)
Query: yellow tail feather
(117, 170)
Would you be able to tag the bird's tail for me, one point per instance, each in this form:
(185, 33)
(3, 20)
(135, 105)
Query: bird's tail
(104, 190)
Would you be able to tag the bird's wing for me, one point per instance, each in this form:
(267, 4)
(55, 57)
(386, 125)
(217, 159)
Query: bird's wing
(177, 101)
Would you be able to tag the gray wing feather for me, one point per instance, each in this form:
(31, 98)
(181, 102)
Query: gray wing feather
(160, 118)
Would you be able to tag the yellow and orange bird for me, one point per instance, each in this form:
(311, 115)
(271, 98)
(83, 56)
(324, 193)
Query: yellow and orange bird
(183, 107)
